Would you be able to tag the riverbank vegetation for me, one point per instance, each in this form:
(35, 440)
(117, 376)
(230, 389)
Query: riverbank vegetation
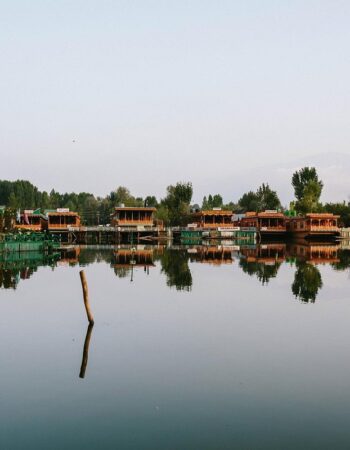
(175, 208)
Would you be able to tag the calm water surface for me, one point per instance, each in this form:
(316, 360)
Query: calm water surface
(192, 348)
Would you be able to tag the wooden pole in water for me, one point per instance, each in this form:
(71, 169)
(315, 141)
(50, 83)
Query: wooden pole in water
(86, 297)
(86, 351)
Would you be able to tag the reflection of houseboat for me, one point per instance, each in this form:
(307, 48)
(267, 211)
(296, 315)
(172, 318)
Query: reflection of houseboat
(314, 225)
(265, 253)
(211, 254)
(314, 253)
(267, 223)
(62, 220)
(69, 255)
(32, 221)
(134, 256)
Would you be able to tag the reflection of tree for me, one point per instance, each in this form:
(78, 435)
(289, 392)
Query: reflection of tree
(344, 260)
(262, 270)
(175, 266)
(307, 282)
(21, 266)
(122, 272)
(91, 255)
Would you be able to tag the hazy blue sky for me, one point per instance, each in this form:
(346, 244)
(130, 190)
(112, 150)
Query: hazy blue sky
(156, 91)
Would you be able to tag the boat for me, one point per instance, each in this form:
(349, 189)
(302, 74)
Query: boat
(28, 242)
(314, 225)
(269, 223)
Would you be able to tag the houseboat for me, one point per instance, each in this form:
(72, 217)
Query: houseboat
(314, 225)
(267, 223)
(62, 219)
(31, 220)
(215, 224)
(135, 224)
(138, 218)
(215, 219)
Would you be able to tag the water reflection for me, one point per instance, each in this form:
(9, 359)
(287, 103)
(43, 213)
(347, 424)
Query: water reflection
(261, 261)
(84, 361)
(21, 266)
(307, 282)
(174, 262)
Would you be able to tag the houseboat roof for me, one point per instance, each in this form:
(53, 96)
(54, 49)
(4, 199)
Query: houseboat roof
(213, 212)
(135, 208)
(267, 214)
(61, 213)
(322, 215)
(315, 216)
(34, 214)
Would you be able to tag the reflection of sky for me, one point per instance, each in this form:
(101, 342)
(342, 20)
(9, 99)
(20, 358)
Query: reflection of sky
(230, 364)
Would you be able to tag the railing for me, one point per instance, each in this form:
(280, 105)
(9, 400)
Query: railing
(134, 222)
(61, 226)
(323, 228)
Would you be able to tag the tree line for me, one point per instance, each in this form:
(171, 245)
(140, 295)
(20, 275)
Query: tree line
(175, 208)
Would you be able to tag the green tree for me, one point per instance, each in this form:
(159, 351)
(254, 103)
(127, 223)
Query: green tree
(178, 201)
(249, 202)
(151, 201)
(307, 189)
(267, 198)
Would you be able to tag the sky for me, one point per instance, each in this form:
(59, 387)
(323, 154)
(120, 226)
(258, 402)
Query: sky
(226, 94)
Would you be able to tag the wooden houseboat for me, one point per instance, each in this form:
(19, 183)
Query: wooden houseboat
(62, 220)
(213, 219)
(139, 218)
(314, 225)
(31, 220)
(267, 223)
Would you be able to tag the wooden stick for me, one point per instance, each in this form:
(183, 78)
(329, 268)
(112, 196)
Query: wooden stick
(86, 297)
(86, 350)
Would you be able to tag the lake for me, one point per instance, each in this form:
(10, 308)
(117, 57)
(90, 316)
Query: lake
(197, 347)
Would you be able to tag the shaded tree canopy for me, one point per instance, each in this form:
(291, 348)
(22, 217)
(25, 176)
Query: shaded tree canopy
(177, 202)
(213, 201)
(264, 198)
